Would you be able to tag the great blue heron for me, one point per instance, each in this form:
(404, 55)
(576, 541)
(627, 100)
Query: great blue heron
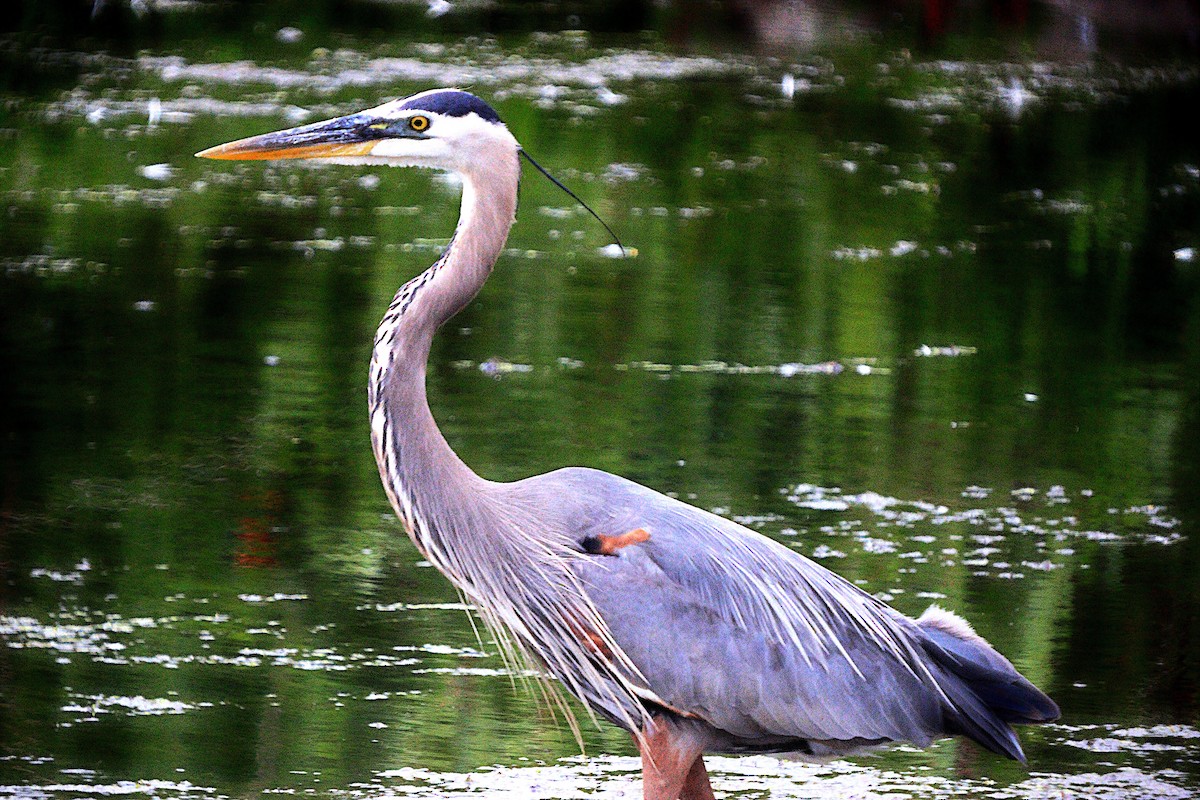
(690, 631)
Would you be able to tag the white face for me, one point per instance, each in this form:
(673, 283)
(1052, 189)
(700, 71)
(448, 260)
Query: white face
(460, 144)
(387, 134)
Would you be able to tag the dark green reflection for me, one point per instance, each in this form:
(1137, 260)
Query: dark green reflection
(184, 427)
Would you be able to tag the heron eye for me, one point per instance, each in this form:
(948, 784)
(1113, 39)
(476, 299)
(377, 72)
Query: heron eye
(418, 123)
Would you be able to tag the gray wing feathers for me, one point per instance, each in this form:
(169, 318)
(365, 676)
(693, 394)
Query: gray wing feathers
(761, 643)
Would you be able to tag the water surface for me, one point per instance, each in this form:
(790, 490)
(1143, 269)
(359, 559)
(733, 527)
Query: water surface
(930, 318)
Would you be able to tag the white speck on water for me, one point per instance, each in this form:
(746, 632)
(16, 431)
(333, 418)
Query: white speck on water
(289, 35)
(296, 114)
(792, 369)
(149, 787)
(478, 672)
(157, 172)
(870, 544)
(1185, 254)
(56, 576)
(271, 361)
(824, 504)
(856, 254)
(1159, 732)
(497, 367)
(1030, 397)
(863, 369)
(607, 97)
(1014, 96)
(948, 351)
(621, 173)
(615, 250)
(134, 706)
(272, 598)
(1108, 744)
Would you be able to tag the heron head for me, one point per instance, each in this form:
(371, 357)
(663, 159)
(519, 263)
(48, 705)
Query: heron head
(440, 129)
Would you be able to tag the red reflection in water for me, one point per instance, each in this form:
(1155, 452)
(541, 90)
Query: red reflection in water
(257, 542)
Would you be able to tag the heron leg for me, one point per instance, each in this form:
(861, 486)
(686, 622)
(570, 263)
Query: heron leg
(697, 787)
(672, 763)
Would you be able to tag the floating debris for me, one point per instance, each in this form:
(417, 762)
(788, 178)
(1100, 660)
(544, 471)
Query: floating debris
(986, 527)
(56, 576)
(390, 607)
(787, 86)
(1113, 745)
(615, 250)
(825, 551)
(944, 351)
(154, 788)
(158, 172)
(136, 706)
(762, 776)
(508, 72)
(792, 369)
(289, 35)
(273, 598)
(497, 367)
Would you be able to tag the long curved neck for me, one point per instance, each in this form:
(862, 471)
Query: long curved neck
(421, 473)
(505, 555)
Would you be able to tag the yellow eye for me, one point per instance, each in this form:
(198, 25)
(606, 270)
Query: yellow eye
(418, 123)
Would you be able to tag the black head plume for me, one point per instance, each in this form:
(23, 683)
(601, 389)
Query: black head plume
(560, 185)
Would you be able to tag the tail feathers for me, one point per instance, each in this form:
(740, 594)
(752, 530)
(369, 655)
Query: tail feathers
(969, 716)
(986, 692)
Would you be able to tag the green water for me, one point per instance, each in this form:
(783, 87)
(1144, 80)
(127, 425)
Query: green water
(933, 320)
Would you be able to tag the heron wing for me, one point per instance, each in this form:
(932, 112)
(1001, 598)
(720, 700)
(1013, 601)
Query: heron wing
(726, 625)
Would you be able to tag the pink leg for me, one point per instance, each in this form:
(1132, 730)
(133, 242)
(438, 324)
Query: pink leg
(697, 787)
(672, 764)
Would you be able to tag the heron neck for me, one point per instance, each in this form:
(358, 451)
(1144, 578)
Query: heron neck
(422, 474)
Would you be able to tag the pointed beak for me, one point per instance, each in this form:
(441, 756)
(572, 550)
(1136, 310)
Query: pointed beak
(333, 138)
